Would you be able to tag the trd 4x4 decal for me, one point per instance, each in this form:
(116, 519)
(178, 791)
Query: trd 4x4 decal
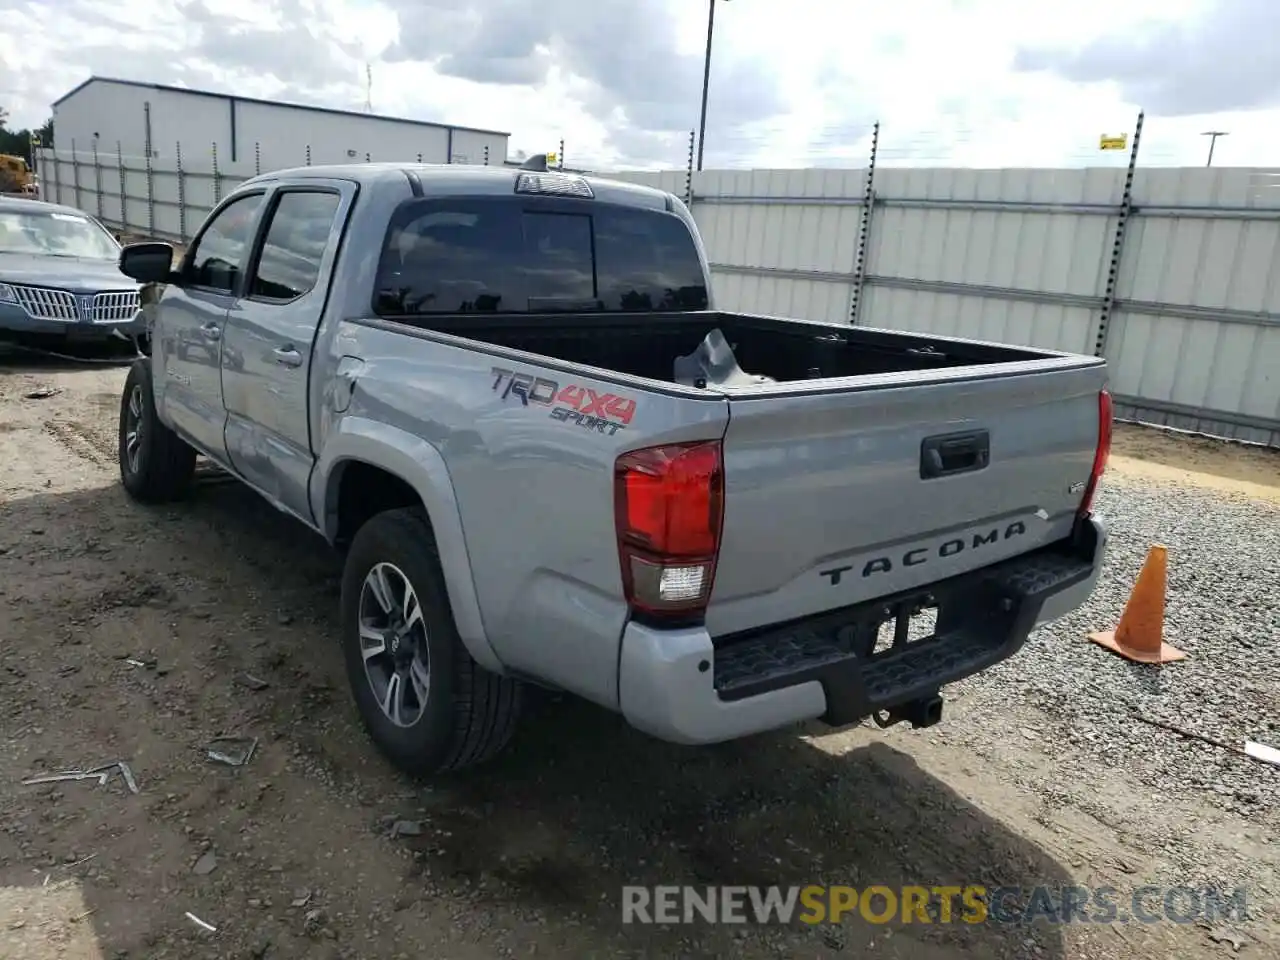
(605, 413)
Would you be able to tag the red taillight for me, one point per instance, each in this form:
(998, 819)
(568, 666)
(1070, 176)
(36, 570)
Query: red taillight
(668, 504)
(1102, 453)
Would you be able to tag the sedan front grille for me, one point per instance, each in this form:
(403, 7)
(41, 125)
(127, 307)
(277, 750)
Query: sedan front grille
(115, 306)
(43, 303)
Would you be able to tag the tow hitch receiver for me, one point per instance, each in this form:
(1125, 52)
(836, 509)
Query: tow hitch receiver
(921, 713)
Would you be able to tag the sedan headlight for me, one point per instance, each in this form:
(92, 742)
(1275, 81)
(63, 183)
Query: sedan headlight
(6, 294)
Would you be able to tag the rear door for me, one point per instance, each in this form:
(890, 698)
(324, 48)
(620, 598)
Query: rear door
(835, 495)
(266, 357)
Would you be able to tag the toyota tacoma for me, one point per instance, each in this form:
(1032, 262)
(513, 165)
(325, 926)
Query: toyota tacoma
(509, 400)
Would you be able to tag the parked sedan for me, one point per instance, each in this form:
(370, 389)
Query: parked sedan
(58, 276)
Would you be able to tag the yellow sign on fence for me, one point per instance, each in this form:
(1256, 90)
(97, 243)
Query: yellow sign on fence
(1113, 143)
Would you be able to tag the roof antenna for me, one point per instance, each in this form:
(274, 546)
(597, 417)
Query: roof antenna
(537, 162)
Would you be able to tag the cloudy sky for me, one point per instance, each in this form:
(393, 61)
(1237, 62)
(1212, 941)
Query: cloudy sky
(800, 82)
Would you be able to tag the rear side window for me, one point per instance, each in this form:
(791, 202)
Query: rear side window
(515, 256)
(294, 247)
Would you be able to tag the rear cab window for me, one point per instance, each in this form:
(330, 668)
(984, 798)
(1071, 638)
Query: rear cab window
(513, 255)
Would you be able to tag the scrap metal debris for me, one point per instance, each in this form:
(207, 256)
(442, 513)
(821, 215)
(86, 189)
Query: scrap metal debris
(125, 773)
(1251, 748)
(233, 751)
(140, 660)
(66, 775)
(713, 364)
(41, 393)
(1189, 734)
(252, 682)
(200, 923)
(102, 774)
(1260, 751)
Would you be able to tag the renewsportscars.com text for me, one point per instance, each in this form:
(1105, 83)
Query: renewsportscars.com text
(970, 904)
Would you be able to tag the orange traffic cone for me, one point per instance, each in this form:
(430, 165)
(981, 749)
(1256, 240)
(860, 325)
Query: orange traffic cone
(1140, 633)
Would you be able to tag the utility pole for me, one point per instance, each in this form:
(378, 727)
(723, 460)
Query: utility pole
(1213, 136)
(706, 76)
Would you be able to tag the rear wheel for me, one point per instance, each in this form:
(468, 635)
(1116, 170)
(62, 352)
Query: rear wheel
(156, 465)
(425, 703)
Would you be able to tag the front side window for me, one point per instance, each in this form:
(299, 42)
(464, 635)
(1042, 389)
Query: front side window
(294, 246)
(55, 233)
(218, 256)
(515, 256)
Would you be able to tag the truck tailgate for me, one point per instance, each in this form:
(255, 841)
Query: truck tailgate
(842, 492)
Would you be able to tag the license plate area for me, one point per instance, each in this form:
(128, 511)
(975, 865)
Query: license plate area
(904, 623)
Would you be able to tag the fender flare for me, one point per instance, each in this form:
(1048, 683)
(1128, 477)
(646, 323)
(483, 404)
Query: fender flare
(419, 464)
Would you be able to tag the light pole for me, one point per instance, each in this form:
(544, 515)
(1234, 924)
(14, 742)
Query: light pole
(706, 76)
(1213, 136)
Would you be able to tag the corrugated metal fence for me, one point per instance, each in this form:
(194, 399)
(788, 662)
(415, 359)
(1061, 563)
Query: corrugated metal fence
(1172, 274)
(166, 199)
(1179, 287)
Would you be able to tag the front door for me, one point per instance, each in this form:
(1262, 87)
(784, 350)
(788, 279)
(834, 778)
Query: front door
(191, 316)
(266, 353)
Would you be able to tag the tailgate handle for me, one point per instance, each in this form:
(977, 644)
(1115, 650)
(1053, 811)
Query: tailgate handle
(953, 453)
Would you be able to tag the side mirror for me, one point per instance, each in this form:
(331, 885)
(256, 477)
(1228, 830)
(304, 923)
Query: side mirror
(149, 262)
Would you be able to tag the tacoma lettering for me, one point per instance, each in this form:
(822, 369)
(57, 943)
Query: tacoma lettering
(918, 555)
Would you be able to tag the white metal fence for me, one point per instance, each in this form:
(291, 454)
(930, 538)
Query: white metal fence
(1184, 300)
(166, 198)
(1172, 274)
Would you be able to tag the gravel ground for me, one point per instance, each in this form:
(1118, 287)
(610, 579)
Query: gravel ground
(1223, 610)
(1036, 776)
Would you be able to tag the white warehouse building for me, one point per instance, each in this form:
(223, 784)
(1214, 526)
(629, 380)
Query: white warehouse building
(250, 133)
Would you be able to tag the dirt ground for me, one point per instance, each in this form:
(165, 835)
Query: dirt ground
(1166, 455)
(131, 634)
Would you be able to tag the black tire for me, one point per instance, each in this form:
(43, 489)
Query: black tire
(165, 463)
(470, 713)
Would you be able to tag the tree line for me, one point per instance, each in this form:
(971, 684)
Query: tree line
(18, 142)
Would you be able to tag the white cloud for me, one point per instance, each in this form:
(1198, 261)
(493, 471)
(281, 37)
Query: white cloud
(966, 82)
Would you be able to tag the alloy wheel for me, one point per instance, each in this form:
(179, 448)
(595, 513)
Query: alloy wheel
(393, 644)
(133, 429)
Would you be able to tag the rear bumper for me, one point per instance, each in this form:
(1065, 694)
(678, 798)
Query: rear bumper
(683, 687)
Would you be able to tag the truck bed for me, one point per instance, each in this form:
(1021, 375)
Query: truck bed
(785, 350)
(875, 462)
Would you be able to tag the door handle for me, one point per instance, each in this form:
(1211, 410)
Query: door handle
(953, 453)
(211, 330)
(287, 356)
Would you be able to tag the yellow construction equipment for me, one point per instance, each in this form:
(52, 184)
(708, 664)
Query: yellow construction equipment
(15, 177)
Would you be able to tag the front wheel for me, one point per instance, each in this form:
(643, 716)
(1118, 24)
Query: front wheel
(425, 703)
(156, 465)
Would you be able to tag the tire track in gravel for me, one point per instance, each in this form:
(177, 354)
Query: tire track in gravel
(83, 441)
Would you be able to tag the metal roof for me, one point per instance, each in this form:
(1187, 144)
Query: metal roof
(273, 103)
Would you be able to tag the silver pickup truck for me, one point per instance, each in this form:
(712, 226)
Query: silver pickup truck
(508, 399)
